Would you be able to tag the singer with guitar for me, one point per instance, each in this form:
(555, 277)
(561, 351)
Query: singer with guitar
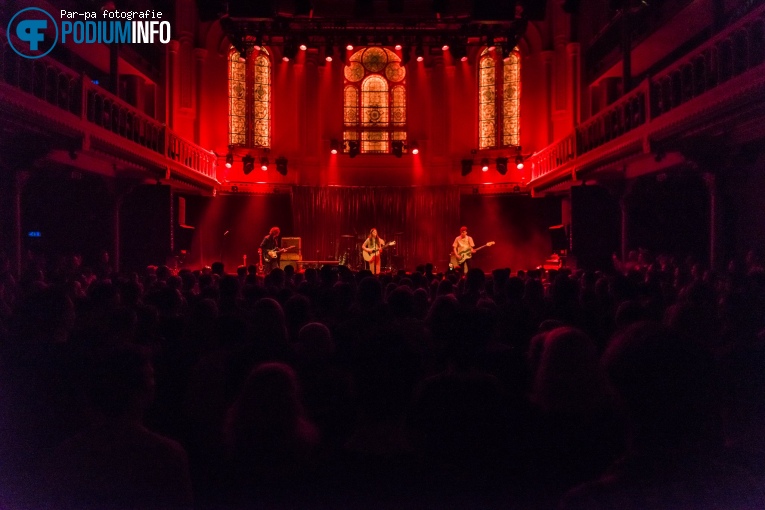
(372, 250)
(271, 249)
(463, 249)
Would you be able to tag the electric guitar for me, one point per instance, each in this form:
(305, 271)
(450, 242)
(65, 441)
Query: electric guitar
(272, 254)
(376, 252)
(467, 253)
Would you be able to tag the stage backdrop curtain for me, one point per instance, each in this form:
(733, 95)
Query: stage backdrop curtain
(422, 220)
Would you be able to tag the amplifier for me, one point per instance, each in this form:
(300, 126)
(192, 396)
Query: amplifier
(295, 253)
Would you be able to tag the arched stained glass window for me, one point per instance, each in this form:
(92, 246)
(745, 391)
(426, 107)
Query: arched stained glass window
(249, 94)
(499, 99)
(374, 100)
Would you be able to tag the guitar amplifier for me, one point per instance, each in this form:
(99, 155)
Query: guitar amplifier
(295, 253)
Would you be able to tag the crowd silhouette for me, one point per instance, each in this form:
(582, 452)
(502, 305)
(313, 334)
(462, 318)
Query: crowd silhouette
(638, 387)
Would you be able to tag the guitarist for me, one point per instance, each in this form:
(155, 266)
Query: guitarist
(462, 243)
(374, 246)
(272, 242)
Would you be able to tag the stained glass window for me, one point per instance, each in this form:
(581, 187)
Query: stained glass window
(499, 94)
(374, 99)
(237, 101)
(249, 94)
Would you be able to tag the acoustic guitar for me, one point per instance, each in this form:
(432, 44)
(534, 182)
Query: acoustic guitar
(369, 257)
(467, 253)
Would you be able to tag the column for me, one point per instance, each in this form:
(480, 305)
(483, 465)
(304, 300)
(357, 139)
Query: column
(172, 69)
(549, 85)
(573, 77)
(21, 178)
(200, 57)
(710, 180)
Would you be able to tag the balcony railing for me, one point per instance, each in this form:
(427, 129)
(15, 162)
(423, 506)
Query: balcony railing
(59, 86)
(735, 50)
(553, 156)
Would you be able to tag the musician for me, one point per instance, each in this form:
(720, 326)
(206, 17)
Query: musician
(374, 246)
(462, 243)
(271, 243)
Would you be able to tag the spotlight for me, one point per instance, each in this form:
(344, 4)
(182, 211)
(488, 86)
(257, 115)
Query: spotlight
(467, 166)
(502, 165)
(415, 149)
(303, 47)
(353, 148)
(264, 163)
(330, 50)
(519, 160)
(398, 148)
(248, 163)
(290, 51)
(281, 165)
(419, 52)
(258, 42)
(398, 47)
(445, 47)
(485, 165)
(459, 51)
(490, 43)
(405, 56)
(229, 160)
(349, 45)
(333, 146)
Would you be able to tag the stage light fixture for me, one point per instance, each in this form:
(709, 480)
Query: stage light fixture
(334, 145)
(467, 166)
(281, 165)
(349, 45)
(405, 56)
(264, 163)
(229, 160)
(398, 47)
(519, 160)
(445, 46)
(258, 42)
(329, 51)
(398, 148)
(353, 148)
(414, 147)
(290, 50)
(502, 165)
(248, 164)
(485, 165)
(490, 43)
(459, 51)
(419, 52)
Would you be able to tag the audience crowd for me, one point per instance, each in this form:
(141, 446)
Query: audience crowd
(641, 387)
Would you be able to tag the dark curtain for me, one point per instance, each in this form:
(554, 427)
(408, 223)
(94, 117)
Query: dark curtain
(422, 221)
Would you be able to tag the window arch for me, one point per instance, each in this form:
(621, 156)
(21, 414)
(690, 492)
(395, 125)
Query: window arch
(499, 99)
(374, 100)
(249, 98)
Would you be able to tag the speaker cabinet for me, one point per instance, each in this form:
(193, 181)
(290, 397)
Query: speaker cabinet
(296, 252)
